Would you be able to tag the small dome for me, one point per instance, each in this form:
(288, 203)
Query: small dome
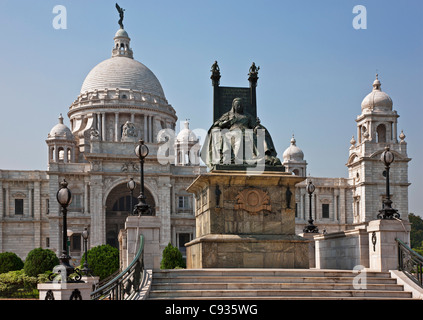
(121, 33)
(186, 135)
(293, 153)
(377, 100)
(60, 131)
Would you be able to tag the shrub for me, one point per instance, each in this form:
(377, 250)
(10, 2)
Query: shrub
(39, 261)
(103, 260)
(16, 283)
(172, 258)
(9, 261)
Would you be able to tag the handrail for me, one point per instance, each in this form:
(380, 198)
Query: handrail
(127, 284)
(410, 262)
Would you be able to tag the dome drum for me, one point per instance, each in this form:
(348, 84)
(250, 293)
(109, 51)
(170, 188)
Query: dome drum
(120, 98)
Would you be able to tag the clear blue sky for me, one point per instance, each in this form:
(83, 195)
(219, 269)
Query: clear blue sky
(315, 68)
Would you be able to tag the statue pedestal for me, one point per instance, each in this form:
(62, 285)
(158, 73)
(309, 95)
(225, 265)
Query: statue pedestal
(246, 221)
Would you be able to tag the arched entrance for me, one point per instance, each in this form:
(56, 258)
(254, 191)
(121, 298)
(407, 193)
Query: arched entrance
(118, 207)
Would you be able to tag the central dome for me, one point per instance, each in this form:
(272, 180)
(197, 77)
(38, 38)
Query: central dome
(123, 73)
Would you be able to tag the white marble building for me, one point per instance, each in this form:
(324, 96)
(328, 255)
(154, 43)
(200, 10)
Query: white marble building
(340, 204)
(120, 102)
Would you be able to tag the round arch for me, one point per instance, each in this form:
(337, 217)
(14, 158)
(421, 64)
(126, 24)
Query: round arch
(118, 207)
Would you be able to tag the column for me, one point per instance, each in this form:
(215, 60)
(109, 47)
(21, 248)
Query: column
(56, 153)
(103, 126)
(152, 138)
(98, 217)
(342, 207)
(150, 129)
(86, 208)
(132, 117)
(301, 211)
(6, 200)
(117, 126)
(145, 128)
(37, 214)
(30, 200)
(336, 205)
(395, 132)
(359, 134)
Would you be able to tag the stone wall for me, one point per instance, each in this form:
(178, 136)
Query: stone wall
(342, 250)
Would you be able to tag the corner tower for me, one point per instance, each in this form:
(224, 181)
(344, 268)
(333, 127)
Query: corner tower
(376, 129)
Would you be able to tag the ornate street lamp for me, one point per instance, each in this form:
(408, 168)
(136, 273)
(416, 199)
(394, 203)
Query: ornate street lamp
(64, 197)
(142, 208)
(387, 211)
(85, 234)
(131, 186)
(310, 228)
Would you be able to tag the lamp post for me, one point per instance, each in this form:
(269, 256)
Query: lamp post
(131, 186)
(387, 211)
(85, 234)
(310, 228)
(69, 233)
(64, 197)
(141, 208)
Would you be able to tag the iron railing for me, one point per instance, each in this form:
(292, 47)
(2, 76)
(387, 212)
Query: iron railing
(410, 262)
(127, 284)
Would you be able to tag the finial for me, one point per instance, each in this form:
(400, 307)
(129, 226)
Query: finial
(61, 119)
(402, 136)
(376, 83)
(293, 141)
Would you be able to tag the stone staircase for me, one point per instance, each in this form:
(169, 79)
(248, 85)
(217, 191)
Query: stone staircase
(270, 284)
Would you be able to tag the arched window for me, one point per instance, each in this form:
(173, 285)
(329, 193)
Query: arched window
(381, 133)
(124, 204)
(61, 154)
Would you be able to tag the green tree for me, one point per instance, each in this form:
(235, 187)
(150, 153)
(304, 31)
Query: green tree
(39, 261)
(416, 233)
(172, 258)
(9, 261)
(103, 260)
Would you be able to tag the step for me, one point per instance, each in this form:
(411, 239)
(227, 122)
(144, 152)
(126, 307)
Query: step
(266, 272)
(264, 279)
(269, 285)
(217, 294)
(203, 284)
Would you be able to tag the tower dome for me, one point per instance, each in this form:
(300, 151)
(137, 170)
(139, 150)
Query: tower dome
(186, 134)
(60, 131)
(293, 159)
(293, 153)
(377, 100)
